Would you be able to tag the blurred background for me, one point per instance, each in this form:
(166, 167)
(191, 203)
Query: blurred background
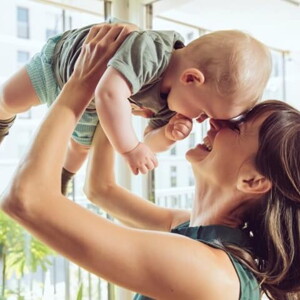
(31, 271)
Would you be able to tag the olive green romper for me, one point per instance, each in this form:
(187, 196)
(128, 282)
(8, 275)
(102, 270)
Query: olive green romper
(213, 235)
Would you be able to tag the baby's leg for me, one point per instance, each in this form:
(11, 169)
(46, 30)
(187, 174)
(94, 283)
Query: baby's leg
(75, 157)
(79, 146)
(16, 95)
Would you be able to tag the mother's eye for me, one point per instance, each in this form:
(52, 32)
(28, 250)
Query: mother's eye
(235, 126)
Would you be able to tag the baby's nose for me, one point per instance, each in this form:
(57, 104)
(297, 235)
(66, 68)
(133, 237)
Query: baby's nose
(216, 124)
(201, 117)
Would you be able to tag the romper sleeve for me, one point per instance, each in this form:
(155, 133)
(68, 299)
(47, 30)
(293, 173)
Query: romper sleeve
(142, 58)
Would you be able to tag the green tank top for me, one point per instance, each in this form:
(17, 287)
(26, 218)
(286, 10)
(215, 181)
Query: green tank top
(213, 235)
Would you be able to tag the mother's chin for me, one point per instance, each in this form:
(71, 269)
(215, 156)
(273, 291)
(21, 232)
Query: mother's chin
(198, 153)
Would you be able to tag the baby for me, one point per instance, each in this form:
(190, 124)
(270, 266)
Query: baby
(219, 75)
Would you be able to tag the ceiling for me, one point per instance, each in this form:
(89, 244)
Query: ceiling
(275, 22)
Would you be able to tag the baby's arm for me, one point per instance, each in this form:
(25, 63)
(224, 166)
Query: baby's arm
(161, 139)
(114, 113)
(102, 189)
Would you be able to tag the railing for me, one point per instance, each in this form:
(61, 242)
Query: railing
(175, 197)
(62, 280)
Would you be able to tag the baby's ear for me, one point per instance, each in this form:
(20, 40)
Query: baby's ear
(192, 76)
(250, 181)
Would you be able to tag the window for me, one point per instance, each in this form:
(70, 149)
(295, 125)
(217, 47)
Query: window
(25, 115)
(23, 22)
(50, 33)
(191, 177)
(173, 151)
(190, 36)
(277, 84)
(16, 49)
(277, 61)
(173, 176)
(22, 57)
(192, 140)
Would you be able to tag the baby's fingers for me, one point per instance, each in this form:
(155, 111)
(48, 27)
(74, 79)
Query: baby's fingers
(143, 169)
(181, 130)
(155, 161)
(178, 135)
(134, 170)
(152, 164)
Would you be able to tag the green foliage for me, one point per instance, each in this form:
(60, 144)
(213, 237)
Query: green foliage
(20, 253)
(27, 259)
(9, 234)
(80, 292)
(11, 294)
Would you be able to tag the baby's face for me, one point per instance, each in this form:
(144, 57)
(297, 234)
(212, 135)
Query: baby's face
(202, 103)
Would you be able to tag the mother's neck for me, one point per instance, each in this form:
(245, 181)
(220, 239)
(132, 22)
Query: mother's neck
(214, 204)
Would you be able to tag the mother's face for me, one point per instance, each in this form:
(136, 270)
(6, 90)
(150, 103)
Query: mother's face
(225, 149)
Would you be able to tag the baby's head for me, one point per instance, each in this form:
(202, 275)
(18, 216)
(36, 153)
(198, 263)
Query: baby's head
(235, 69)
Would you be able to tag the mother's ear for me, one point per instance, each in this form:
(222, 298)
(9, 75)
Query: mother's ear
(250, 181)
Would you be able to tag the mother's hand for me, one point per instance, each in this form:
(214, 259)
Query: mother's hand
(99, 46)
(46, 155)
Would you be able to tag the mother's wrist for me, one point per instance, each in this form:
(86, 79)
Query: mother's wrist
(78, 89)
(73, 98)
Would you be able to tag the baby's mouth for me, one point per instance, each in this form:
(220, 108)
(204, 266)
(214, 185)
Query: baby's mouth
(201, 117)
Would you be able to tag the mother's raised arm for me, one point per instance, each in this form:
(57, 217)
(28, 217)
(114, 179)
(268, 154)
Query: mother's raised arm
(38, 176)
(148, 262)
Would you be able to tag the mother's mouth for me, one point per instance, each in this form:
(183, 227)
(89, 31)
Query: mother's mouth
(206, 144)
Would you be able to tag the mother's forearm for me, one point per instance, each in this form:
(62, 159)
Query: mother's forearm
(39, 173)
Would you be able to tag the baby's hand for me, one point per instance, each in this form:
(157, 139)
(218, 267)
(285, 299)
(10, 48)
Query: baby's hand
(141, 159)
(178, 128)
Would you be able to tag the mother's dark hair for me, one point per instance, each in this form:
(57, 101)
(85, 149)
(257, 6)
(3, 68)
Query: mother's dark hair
(274, 225)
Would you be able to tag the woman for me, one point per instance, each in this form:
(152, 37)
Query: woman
(237, 202)
(230, 192)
